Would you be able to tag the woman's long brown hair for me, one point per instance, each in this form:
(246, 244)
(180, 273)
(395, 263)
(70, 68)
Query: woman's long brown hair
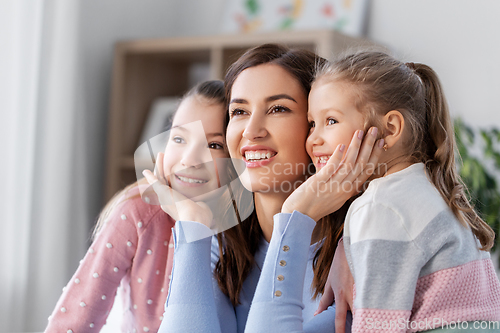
(238, 245)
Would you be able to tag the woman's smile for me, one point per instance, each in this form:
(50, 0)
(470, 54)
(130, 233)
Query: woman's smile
(257, 155)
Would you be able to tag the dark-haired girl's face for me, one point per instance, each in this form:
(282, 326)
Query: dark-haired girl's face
(268, 128)
(196, 141)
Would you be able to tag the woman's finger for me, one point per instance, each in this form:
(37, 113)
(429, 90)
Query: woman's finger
(371, 166)
(352, 152)
(332, 165)
(368, 153)
(366, 148)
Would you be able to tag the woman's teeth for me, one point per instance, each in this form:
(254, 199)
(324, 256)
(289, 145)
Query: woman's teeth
(323, 159)
(256, 155)
(191, 180)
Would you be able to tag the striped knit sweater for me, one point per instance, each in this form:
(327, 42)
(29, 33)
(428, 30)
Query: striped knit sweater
(415, 266)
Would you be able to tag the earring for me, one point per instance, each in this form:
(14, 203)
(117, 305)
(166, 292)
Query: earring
(385, 147)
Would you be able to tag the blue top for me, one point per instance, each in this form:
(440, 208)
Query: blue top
(281, 293)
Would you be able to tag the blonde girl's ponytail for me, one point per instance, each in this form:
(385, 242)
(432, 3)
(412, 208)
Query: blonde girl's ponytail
(439, 155)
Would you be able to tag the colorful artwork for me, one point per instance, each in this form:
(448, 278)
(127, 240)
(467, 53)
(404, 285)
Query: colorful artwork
(246, 16)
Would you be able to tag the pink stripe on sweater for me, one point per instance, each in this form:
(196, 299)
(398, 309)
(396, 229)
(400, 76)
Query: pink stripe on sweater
(466, 293)
(375, 320)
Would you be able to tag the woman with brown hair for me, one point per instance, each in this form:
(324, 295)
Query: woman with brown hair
(267, 90)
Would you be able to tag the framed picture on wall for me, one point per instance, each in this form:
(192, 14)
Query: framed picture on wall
(347, 16)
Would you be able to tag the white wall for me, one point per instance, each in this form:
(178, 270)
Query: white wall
(458, 38)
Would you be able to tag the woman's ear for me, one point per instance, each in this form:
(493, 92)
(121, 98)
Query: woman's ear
(394, 124)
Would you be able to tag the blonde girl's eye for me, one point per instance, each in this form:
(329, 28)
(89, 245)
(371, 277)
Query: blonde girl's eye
(331, 121)
(312, 124)
(279, 109)
(215, 145)
(178, 139)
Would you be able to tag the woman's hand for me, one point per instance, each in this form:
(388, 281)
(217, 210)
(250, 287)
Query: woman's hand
(338, 287)
(328, 190)
(179, 207)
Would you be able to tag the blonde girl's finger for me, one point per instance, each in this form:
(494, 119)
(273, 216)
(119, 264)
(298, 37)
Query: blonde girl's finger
(326, 299)
(340, 315)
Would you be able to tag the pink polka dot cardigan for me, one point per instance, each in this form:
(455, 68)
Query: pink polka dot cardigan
(133, 250)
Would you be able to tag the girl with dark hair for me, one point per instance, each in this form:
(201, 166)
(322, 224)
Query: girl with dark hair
(214, 280)
(131, 246)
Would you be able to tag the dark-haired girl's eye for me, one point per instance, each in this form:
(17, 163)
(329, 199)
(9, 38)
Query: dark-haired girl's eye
(178, 139)
(215, 145)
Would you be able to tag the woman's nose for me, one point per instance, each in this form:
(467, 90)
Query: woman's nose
(255, 128)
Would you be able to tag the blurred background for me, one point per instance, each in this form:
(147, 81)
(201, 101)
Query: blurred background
(56, 88)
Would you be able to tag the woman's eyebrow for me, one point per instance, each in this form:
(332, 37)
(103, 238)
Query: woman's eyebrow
(268, 99)
(280, 96)
(238, 101)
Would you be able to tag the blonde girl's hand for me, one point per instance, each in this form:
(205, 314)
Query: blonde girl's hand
(338, 288)
(179, 207)
(340, 179)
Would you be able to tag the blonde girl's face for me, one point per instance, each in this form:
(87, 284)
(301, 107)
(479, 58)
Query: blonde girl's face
(268, 128)
(196, 141)
(333, 119)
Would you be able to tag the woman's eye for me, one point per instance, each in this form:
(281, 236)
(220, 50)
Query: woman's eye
(331, 121)
(178, 139)
(236, 112)
(215, 145)
(278, 109)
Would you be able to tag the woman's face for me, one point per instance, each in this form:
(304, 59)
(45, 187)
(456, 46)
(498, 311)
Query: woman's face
(333, 119)
(268, 128)
(196, 140)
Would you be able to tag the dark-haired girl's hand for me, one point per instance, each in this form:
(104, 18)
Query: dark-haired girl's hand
(179, 207)
(340, 179)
